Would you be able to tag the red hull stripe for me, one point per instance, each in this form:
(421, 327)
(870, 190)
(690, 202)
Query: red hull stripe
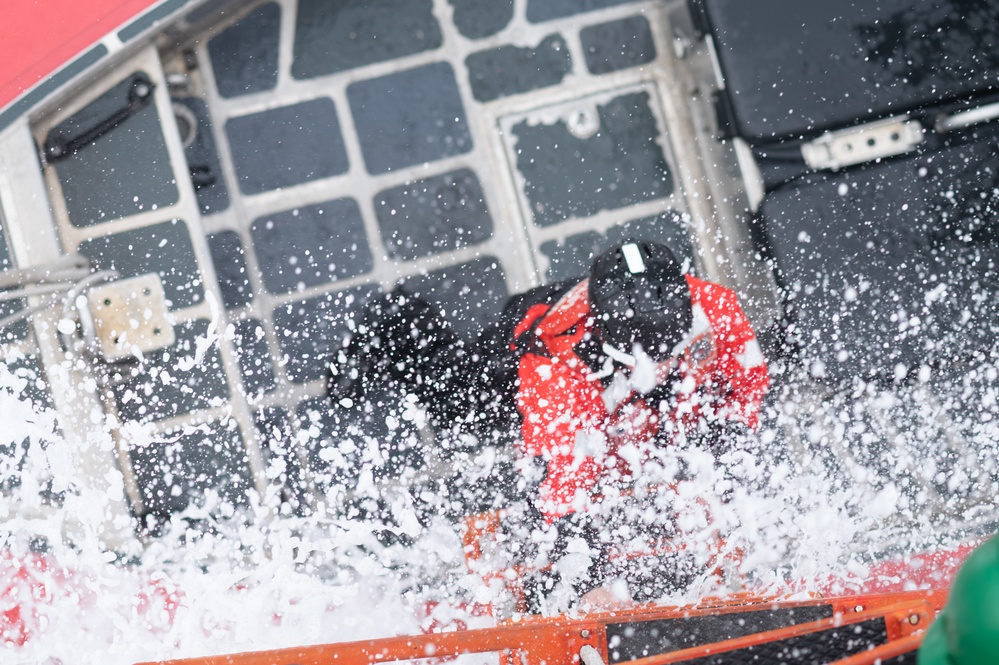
(40, 37)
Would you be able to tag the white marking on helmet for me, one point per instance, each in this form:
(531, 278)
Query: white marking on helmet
(633, 257)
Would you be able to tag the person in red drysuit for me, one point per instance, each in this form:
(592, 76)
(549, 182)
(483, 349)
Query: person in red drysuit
(637, 355)
(678, 355)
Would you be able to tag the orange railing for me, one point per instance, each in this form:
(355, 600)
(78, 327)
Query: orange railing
(560, 640)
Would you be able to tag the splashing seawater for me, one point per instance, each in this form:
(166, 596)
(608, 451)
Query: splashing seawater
(258, 581)
(246, 583)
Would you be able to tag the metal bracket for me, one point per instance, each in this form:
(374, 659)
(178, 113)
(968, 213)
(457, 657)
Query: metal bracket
(130, 317)
(864, 143)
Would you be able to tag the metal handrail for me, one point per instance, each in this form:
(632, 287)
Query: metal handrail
(68, 268)
(965, 119)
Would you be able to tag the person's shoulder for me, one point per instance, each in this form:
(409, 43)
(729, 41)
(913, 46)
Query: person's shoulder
(719, 304)
(701, 290)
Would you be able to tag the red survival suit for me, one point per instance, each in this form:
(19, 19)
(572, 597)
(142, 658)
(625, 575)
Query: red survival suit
(564, 402)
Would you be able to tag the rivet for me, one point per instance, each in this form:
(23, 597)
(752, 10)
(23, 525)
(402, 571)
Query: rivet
(914, 619)
(858, 608)
(584, 634)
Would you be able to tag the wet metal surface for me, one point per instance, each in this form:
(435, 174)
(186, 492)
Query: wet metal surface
(312, 329)
(254, 357)
(210, 457)
(476, 19)
(513, 140)
(152, 393)
(195, 127)
(880, 277)
(546, 10)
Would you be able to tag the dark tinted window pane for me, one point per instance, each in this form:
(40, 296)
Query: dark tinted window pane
(310, 330)
(572, 257)
(616, 45)
(177, 471)
(164, 249)
(830, 64)
(35, 389)
(620, 164)
(245, 55)
(287, 146)
(230, 268)
(254, 356)
(332, 447)
(509, 70)
(476, 19)
(311, 245)
(434, 215)
(124, 171)
(282, 466)
(334, 36)
(173, 381)
(195, 126)
(469, 295)
(409, 118)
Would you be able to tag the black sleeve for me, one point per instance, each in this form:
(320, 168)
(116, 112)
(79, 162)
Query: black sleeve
(540, 584)
(580, 525)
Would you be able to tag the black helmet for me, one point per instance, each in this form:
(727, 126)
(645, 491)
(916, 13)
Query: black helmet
(639, 295)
